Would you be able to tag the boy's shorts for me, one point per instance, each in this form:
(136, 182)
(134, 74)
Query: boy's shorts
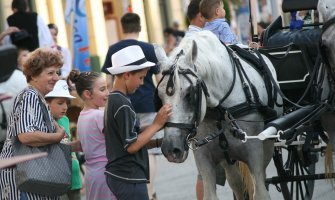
(127, 191)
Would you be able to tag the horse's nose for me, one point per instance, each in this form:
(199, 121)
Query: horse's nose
(177, 153)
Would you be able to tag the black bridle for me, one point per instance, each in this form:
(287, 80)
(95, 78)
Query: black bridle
(196, 93)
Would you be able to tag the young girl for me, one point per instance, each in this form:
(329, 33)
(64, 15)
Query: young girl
(92, 89)
(58, 99)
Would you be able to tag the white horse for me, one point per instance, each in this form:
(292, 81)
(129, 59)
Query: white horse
(202, 60)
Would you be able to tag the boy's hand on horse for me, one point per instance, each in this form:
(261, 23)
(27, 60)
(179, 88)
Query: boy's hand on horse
(163, 115)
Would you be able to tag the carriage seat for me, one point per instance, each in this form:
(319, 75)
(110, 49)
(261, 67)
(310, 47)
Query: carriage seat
(293, 53)
(275, 35)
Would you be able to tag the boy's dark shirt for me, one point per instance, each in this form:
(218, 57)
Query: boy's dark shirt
(121, 128)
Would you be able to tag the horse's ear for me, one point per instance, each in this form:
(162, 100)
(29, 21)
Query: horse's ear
(191, 56)
(326, 9)
(160, 53)
(194, 51)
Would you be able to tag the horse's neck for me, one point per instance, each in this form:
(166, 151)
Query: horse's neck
(218, 76)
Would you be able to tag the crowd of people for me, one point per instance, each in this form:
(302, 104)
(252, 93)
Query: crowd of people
(119, 129)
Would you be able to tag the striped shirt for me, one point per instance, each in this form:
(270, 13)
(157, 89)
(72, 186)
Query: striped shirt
(26, 117)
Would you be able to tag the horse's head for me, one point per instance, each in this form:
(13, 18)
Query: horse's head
(182, 87)
(327, 9)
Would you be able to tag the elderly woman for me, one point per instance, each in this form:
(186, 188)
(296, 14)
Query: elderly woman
(26, 121)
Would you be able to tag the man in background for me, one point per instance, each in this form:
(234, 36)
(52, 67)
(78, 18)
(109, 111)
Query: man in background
(31, 23)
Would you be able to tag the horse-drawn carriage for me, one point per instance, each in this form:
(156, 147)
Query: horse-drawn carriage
(227, 104)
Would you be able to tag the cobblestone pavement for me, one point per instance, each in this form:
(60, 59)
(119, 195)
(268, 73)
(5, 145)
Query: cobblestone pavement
(177, 182)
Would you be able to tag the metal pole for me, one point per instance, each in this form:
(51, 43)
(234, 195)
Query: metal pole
(275, 8)
(253, 20)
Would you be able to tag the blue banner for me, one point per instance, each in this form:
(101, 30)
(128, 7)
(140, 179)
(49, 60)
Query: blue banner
(81, 54)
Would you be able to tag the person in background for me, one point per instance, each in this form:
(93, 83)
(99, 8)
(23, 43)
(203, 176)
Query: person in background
(171, 41)
(67, 67)
(12, 81)
(26, 121)
(22, 55)
(127, 170)
(30, 22)
(143, 98)
(8, 31)
(92, 89)
(214, 13)
(57, 100)
(197, 21)
(179, 34)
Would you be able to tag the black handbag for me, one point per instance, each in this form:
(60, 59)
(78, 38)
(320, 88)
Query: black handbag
(50, 175)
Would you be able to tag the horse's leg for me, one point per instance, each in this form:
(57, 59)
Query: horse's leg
(256, 164)
(234, 179)
(206, 168)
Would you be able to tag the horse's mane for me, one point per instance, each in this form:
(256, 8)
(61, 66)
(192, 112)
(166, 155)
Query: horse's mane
(210, 52)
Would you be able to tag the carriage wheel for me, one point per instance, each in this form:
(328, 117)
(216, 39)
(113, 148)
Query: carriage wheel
(292, 183)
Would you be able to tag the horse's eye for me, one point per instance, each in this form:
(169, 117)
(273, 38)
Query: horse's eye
(188, 97)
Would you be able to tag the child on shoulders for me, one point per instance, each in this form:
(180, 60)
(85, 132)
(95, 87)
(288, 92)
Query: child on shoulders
(213, 11)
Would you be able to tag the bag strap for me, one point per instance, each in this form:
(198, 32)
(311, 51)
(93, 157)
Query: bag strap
(45, 115)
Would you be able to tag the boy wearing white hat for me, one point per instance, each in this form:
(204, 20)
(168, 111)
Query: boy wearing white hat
(127, 169)
(58, 100)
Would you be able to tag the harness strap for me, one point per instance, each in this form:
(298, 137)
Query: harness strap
(245, 85)
(209, 138)
(223, 143)
(230, 52)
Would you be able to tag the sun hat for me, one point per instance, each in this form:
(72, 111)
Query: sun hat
(129, 59)
(61, 89)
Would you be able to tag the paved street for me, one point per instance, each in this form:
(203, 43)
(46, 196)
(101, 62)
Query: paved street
(177, 182)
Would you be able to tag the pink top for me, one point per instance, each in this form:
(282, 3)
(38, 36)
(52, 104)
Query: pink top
(90, 125)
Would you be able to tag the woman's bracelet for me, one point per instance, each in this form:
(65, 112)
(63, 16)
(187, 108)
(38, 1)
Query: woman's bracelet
(157, 143)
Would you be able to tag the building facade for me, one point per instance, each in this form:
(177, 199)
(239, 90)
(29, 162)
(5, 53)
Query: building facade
(103, 20)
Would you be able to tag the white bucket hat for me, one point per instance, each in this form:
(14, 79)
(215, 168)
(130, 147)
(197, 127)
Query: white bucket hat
(129, 59)
(61, 89)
